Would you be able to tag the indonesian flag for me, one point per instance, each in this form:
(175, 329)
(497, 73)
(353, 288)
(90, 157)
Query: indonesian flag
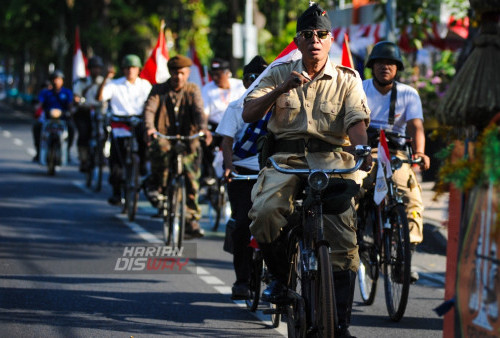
(197, 71)
(346, 53)
(155, 69)
(384, 161)
(79, 70)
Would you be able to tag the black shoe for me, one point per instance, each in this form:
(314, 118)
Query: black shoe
(36, 158)
(240, 292)
(115, 200)
(275, 293)
(193, 230)
(343, 332)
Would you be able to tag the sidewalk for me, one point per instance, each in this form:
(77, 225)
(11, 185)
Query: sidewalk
(435, 220)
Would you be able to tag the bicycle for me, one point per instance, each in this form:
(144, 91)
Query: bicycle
(172, 197)
(124, 128)
(311, 309)
(384, 240)
(96, 153)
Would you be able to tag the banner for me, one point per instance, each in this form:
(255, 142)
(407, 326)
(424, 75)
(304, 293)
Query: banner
(383, 161)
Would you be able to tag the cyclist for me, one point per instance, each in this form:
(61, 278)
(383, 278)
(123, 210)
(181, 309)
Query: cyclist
(405, 118)
(127, 96)
(175, 107)
(239, 149)
(216, 97)
(318, 106)
(55, 96)
(84, 90)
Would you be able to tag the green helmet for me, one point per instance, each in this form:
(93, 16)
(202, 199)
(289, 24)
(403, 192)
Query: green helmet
(131, 60)
(385, 50)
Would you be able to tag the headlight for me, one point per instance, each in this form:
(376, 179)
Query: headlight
(318, 180)
(55, 113)
(396, 163)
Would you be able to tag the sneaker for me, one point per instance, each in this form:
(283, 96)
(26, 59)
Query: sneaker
(240, 292)
(210, 181)
(115, 200)
(414, 277)
(192, 234)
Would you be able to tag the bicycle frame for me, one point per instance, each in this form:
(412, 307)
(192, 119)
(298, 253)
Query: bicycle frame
(317, 298)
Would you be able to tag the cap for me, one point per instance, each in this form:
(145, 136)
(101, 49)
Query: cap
(314, 17)
(55, 74)
(218, 63)
(95, 61)
(256, 65)
(131, 60)
(179, 61)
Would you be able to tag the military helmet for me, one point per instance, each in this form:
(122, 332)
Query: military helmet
(131, 60)
(55, 74)
(385, 50)
(95, 61)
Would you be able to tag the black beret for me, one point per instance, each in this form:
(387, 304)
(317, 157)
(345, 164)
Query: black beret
(314, 18)
(179, 61)
(256, 66)
(218, 63)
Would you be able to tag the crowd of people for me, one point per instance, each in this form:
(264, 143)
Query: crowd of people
(316, 111)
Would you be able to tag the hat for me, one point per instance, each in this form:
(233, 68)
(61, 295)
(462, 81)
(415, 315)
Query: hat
(55, 74)
(385, 50)
(95, 61)
(218, 63)
(337, 197)
(314, 18)
(131, 60)
(256, 65)
(179, 61)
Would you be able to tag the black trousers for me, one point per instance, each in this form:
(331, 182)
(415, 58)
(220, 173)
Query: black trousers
(83, 124)
(239, 198)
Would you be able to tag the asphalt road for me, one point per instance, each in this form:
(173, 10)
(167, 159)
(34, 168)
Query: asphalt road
(62, 244)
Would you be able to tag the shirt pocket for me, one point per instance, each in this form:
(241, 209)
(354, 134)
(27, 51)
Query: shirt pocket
(328, 114)
(287, 109)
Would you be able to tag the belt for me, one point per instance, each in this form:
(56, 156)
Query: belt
(313, 145)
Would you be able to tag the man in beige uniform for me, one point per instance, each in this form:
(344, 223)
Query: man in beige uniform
(318, 106)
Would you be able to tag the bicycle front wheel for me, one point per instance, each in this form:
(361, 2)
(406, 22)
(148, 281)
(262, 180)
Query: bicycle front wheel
(177, 214)
(368, 251)
(397, 263)
(295, 311)
(132, 187)
(324, 303)
(256, 274)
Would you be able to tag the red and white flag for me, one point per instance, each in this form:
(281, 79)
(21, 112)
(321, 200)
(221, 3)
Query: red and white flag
(79, 62)
(155, 69)
(383, 161)
(346, 53)
(197, 74)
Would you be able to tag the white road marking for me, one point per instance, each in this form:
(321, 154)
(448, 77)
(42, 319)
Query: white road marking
(17, 141)
(202, 273)
(6, 134)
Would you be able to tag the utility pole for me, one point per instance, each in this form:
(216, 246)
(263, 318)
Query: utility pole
(390, 8)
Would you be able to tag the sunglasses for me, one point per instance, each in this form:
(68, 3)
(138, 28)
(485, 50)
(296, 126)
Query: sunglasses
(306, 34)
(250, 77)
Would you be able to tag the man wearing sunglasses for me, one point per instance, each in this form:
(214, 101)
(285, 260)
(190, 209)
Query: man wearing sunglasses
(320, 107)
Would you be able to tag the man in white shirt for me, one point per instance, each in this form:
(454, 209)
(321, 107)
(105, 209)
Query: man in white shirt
(406, 118)
(216, 96)
(127, 96)
(239, 148)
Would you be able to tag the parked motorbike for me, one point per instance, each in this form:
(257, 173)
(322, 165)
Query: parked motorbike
(54, 142)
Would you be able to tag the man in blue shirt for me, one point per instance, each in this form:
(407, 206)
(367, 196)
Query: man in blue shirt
(58, 97)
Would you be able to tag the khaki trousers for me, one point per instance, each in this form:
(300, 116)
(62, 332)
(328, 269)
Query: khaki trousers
(272, 197)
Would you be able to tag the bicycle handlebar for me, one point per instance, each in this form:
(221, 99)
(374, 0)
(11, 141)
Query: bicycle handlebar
(238, 177)
(180, 137)
(360, 153)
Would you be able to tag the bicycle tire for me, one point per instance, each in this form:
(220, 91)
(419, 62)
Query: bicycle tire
(295, 311)
(275, 316)
(369, 268)
(397, 263)
(256, 274)
(132, 187)
(94, 170)
(324, 304)
(90, 167)
(218, 202)
(163, 210)
(178, 213)
(51, 160)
